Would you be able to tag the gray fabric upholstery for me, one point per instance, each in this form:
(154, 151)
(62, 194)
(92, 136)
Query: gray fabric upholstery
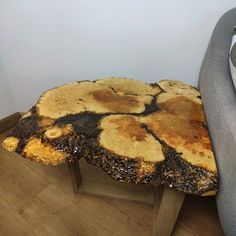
(219, 101)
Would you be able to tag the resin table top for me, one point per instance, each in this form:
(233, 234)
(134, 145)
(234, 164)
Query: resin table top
(134, 131)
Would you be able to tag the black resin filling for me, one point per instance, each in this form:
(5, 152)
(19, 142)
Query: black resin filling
(25, 129)
(173, 171)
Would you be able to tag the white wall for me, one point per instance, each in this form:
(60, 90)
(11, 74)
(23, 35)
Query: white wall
(45, 43)
(7, 105)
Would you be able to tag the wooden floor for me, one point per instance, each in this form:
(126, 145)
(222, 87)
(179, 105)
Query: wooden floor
(39, 200)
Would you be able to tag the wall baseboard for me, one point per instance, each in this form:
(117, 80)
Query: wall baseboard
(9, 121)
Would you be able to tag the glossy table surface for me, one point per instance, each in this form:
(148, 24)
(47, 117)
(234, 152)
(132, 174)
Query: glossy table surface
(135, 132)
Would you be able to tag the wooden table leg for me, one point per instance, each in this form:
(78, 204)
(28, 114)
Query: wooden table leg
(89, 180)
(75, 173)
(157, 200)
(167, 206)
(167, 203)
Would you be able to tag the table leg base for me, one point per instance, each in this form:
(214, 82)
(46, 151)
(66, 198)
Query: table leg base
(167, 202)
(89, 180)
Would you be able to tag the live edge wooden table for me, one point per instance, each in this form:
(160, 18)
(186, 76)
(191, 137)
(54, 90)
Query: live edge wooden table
(145, 136)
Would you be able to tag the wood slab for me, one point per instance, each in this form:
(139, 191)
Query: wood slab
(135, 132)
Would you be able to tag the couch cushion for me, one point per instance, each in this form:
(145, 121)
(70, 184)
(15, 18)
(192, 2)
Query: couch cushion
(219, 101)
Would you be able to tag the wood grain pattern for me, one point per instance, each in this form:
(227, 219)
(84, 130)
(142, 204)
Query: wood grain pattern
(136, 132)
(38, 200)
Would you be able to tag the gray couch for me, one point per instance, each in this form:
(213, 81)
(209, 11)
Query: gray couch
(219, 101)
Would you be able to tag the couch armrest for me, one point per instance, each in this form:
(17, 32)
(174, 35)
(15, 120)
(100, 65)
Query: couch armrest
(219, 101)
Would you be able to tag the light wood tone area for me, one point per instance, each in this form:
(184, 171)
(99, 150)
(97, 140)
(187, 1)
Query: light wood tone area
(39, 200)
